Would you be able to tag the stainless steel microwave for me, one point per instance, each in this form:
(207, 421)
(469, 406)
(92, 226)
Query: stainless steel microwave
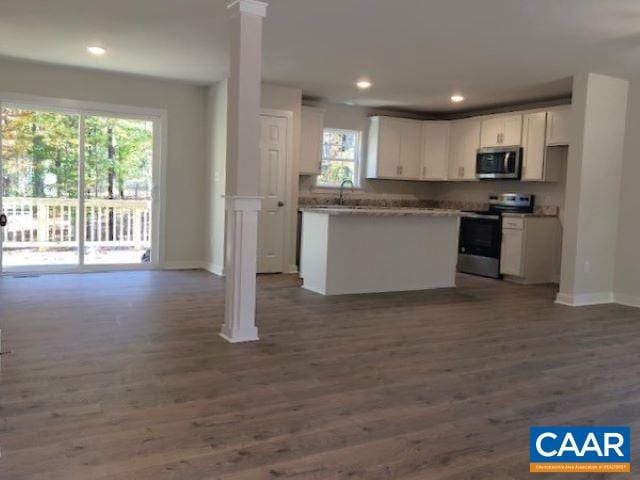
(498, 163)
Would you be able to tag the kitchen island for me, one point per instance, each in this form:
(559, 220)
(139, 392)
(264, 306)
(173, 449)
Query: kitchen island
(366, 250)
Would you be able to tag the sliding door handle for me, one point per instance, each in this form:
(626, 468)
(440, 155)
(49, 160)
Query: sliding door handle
(3, 220)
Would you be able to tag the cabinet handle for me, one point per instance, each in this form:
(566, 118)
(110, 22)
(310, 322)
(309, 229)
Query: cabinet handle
(424, 171)
(460, 172)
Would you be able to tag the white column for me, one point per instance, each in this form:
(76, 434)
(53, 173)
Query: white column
(243, 170)
(592, 199)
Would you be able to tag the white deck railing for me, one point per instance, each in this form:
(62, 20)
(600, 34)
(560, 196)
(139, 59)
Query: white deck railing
(34, 222)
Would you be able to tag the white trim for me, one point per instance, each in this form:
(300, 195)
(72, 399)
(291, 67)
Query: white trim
(626, 299)
(357, 161)
(65, 269)
(183, 265)
(584, 299)
(214, 268)
(159, 166)
(80, 221)
(240, 338)
(252, 7)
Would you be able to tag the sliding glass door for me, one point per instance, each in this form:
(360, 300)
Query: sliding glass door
(76, 189)
(40, 159)
(117, 190)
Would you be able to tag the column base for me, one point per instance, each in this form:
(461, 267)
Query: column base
(240, 269)
(240, 338)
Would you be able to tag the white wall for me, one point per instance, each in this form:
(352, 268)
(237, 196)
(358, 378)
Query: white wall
(274, 97)
(216, 176)
(593, 189)
(547, 193)
(627, 276)
(186, 144)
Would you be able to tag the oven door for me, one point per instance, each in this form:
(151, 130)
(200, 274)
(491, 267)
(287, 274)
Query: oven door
(480, 235)
(495, 163)
(479, 245)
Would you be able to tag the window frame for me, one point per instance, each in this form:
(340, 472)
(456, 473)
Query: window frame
(85, 108)
(357, 163)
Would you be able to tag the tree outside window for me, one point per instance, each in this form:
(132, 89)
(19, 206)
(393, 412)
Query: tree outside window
(340, 158)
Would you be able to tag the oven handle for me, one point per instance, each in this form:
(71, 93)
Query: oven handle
(478, 215)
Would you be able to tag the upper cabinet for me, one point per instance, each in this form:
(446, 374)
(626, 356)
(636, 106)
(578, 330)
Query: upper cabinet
(311, 128)
(463, 147)
(559, 126)
(533, 135)
(395, 148)
(435, 150)
(505, 130)
(539, 162)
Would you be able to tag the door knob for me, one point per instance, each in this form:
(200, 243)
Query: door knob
(3, 220)
(281, 204)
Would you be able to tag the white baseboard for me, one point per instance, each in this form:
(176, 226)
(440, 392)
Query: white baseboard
(183, 265)
(626, 299)
(584, 299)
(214, 268)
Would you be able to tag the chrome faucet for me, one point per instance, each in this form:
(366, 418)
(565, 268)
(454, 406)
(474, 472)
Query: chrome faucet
(341, 199)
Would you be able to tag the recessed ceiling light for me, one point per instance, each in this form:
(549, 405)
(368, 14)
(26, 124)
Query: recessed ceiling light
(457, 98)
(363, 84)
(96, 50)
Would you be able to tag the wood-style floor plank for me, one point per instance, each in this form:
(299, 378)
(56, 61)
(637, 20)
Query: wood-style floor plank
(124, 376)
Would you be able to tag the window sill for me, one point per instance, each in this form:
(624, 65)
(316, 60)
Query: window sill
(328, 189)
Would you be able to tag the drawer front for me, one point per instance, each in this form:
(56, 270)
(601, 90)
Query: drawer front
(513, 223)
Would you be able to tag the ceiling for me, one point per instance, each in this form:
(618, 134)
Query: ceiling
(416, 52)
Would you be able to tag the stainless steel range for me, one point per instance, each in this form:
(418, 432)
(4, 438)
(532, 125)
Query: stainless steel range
(481, 233)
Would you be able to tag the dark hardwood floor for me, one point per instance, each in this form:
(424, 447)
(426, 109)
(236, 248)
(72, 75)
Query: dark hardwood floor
(124, 376)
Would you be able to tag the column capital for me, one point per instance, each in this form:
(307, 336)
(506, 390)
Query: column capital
(242, 203)
(252, 7)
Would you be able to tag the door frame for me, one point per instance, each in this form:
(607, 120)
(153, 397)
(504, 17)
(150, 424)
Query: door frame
(159, 175)
(289, 210)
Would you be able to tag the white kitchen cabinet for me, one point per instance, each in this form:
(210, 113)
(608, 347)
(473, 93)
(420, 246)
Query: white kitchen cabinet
(395, 148)
(311, 131)
(435, 150)
(559, 126)
(511, 252)
(410, 149)
(530, 251)
(464, 143)
(540, 163)
(504, 130)
(533, 143)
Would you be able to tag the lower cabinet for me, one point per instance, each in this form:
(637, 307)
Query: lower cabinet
(531, 248)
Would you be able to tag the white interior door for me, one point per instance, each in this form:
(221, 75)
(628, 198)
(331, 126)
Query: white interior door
(273, 164)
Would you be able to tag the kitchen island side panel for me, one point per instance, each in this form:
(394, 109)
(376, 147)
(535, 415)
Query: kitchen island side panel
(314, 250)
(368, 254)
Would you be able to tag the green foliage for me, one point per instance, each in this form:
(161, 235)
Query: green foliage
(334, 173)
(41, 155)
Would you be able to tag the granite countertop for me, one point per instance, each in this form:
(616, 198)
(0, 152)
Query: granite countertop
(383, 212)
